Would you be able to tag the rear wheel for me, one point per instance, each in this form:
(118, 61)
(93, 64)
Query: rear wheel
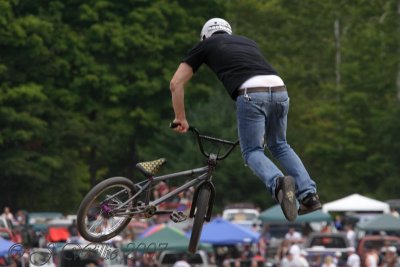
(199, 217)
(100, 215)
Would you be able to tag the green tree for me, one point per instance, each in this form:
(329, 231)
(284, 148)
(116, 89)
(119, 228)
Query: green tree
(336, 58)
(101, 71)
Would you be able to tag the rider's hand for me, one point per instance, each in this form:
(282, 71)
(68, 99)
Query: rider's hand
(183, 126)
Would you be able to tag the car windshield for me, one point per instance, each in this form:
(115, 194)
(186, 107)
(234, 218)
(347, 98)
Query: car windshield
(381, 243)
(329, 242)
(241, 216)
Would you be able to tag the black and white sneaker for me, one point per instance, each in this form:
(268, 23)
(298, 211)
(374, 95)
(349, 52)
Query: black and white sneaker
(285, 194)
(309, 204)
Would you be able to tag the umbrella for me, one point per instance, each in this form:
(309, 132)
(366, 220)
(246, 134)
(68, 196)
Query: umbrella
(223, 232)
(162, 237)
(8, 248)
(275, 215)
(152, 229)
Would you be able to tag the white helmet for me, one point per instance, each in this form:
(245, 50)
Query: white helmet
(214, 25)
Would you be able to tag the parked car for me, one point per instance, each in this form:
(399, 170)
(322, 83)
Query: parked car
(377, 242)
(8, 234)
(320, 245)
(329, 241)
(38, 220)
(246, 217)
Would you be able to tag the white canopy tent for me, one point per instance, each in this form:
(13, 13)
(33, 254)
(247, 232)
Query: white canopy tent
(356, 203)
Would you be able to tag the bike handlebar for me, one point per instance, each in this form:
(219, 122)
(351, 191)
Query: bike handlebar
(201, 137)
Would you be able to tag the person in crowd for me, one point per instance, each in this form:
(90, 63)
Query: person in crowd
(338, 223)
(255, 227)
(303, 258)
(8, 214)
(73, 228)
(149, 259)
(247, 253)
(20, 217)
(391, 258)
(394, 212)
(160, 189)
(286, 260)
(306, 230)
(294, 258)
(183, 262)
(262, 245)
(328, 262)
(353, 260)
(282, 250)
(227, 260)
(338, 259)
(326, 228)
(258, 257)
(350, 235)
(371, 258)
(293, 236)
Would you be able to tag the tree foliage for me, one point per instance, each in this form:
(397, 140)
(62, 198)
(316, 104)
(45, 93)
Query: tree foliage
(84, 94)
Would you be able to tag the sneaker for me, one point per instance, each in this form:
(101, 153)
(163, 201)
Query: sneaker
(286, 196)
(309, 204)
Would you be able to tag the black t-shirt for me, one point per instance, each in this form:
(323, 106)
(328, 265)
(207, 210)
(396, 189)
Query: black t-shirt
(234, 59)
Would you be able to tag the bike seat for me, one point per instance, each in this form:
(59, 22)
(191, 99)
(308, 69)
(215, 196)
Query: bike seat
(150, 168)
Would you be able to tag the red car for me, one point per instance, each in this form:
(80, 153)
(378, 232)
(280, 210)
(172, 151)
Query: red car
(8, 235)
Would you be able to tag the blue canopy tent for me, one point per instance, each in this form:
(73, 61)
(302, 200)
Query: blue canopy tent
(8, 248)
(223, 232)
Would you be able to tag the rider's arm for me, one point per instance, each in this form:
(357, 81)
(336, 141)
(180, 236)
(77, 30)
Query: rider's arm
(182, 75)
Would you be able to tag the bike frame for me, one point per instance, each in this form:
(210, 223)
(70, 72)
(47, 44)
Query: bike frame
(204, 177)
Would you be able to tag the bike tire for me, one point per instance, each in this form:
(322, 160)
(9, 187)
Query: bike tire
(128, 188)
(199, 217)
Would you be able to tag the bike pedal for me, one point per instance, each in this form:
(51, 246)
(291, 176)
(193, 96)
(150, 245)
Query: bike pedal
(178, 216)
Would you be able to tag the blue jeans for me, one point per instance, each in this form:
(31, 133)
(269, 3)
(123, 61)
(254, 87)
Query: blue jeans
(264, 115)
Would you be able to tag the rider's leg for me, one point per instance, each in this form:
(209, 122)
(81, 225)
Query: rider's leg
(252, 117)
(280, 149)
(251, 128)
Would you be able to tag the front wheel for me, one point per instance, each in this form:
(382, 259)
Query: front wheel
(199, 217)
(101, 213)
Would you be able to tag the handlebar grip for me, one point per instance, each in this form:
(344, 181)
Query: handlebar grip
(173, 125)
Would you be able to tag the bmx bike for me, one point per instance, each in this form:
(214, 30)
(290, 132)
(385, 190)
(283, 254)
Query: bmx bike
(110, 205)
